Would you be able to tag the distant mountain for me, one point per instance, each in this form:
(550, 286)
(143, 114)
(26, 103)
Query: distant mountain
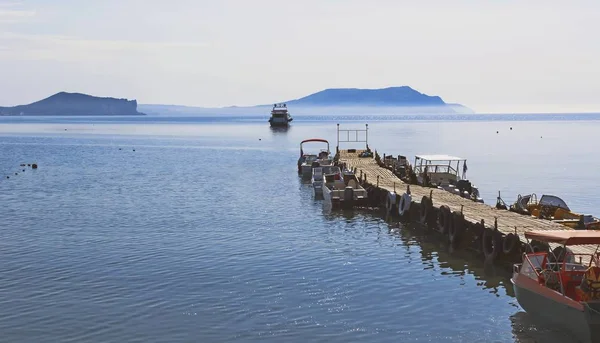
(392, 100)
(392, 96)
(74, 104)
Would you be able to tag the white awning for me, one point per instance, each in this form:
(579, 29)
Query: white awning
(439, 158)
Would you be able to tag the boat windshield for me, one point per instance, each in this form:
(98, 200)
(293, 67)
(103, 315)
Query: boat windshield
(554, 201)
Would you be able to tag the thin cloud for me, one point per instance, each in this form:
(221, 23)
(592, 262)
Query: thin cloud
(59, 47)
(96, 43)
(12, 12)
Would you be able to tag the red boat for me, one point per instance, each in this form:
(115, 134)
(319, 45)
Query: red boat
(558, 287)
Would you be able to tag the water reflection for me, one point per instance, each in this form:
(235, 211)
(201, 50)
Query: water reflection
(526, 329)
(456, 263)
(280, 129)
(459, 262)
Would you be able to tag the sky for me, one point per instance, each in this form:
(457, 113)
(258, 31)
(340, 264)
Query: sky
(492, 56)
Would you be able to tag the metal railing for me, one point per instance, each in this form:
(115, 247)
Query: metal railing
(352, 136)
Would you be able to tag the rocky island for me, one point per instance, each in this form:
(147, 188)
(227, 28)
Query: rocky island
(74, 104)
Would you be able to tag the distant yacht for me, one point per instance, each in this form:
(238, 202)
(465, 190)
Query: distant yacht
(280, 115)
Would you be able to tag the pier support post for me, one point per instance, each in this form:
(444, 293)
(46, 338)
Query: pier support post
(408, 189)
(377, 180)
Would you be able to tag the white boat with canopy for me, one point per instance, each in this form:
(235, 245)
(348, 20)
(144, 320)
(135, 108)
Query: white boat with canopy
(446, 172)
(307, 162)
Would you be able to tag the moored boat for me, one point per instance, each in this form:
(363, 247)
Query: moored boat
(553, 208)
(307, 162)
(343, 192)
(557, 288)
(444, 172)
(319, 174)
(280, 115)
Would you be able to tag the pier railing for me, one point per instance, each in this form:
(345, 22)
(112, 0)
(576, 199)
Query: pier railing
(353, 136)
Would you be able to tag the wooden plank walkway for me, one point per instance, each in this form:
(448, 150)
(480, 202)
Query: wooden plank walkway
(508, 222)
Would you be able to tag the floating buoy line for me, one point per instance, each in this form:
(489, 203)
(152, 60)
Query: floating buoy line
(21, 169)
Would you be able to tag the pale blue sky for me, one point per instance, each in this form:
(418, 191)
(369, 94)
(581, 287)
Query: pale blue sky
(493, 56)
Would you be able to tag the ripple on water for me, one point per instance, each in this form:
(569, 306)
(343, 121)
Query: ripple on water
(183, 241)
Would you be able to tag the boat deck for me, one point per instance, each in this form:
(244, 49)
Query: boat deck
(507, 221)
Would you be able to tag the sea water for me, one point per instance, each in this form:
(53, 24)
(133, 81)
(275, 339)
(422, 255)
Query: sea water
(156, 229)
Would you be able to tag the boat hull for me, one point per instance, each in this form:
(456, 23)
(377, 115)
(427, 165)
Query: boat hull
(583, 322)
(306, 171)
(336, 199)
(282, 123)
(317, 189)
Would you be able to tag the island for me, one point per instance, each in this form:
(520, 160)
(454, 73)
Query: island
(74, 104)
(390, 100)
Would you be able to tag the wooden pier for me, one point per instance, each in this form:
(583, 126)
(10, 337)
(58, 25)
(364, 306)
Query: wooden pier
(504, 222)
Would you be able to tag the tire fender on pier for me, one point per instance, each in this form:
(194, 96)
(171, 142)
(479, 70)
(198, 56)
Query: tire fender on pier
(443, 219)
(511, 243)
(492, 243)
(404, 205)
(425, 210)
(390, 201)
(457, 229)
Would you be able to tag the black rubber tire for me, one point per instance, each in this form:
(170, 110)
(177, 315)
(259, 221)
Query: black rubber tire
(457, 229)
(443, 219)
(511, 243)
(491, 243)
(425, 210)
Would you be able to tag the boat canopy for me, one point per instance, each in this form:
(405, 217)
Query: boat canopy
(439, 158)
(566, 237)
(441, 164)
(313, 140)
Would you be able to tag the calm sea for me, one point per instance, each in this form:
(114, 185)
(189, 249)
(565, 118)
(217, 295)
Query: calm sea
(162, 229)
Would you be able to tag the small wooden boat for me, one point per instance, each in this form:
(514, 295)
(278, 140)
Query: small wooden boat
(557, 288)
